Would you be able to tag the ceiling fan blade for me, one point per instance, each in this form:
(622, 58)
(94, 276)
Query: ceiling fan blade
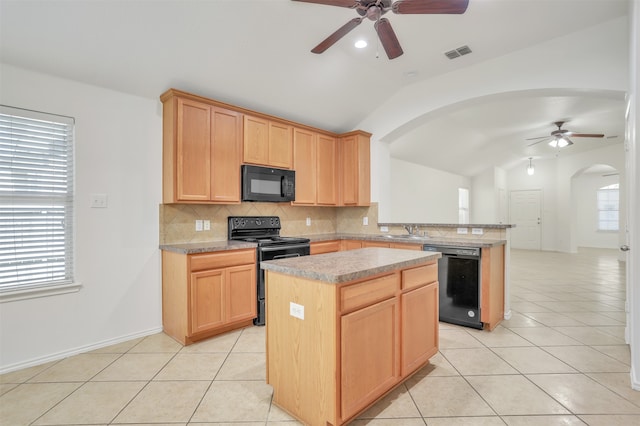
(585, 135)
(388, 38)
(339, 3)
(539, 137)
(540, 141)
(333, 38)
(424, 7)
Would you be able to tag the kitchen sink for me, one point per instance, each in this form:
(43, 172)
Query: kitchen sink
(406, 237)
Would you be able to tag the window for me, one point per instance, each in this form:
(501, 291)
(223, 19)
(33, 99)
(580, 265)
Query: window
(608, 207)
(36, 204)
(463, 205)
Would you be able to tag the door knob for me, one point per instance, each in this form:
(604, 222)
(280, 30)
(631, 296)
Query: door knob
(624, 248)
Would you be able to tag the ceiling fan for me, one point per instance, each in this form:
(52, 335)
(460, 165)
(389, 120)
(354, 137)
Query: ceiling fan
(560, 138)
(374, 9)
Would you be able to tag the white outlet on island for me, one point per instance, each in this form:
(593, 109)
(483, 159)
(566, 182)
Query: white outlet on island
(296, 310)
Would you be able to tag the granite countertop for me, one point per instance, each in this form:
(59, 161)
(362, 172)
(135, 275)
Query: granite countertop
(390, 238)
(345, 266)
(206, 247)
(455, 225)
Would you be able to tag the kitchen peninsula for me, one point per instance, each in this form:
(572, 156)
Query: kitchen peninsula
(345, 328)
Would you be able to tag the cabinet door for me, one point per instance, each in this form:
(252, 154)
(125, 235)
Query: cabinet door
(419, 326)
(349, 170)
(207, 300)
(351, 244)
(369, 355)
(193, 151)
(226, 148)
(280, 146)
(241, 293)
(327, 181)
(256, 140)
(304, 163)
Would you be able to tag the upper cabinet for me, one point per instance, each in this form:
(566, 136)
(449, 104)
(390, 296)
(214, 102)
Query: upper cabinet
(267, 143)
(314, 160)
(201, 152)
(355, 169)
(206, 141)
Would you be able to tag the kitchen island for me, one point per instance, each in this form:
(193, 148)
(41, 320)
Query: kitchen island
(343, 329)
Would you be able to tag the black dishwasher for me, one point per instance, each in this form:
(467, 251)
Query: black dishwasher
(459, 278)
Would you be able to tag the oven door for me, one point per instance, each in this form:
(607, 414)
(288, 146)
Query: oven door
(267, 184)
(272, 253)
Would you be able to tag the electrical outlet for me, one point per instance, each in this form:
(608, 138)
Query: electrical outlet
(477, 231)
(296, 310)
(198, 225)
(384, 229)
(98, 201)
(462, 230)
(365, 221)
(207, 225)
(308, 221)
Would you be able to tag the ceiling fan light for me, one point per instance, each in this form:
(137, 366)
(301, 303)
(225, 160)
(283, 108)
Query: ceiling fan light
(562, 142)
(360, 44)
(555, 143)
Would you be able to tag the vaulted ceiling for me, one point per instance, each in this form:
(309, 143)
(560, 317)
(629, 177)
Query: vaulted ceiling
(256, 54)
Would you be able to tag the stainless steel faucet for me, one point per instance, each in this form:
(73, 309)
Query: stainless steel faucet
(411, 229)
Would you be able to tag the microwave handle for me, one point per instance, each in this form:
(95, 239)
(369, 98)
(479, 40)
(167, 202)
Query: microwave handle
(284, 184)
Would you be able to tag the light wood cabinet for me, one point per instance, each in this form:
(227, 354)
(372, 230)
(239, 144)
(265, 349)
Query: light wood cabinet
(267, 143)
(355, 169)
(492, 286)
(201, 152)
(314, 160)
(370, 355)
(419, 325)
(207, 294)
(320, 247)
(355, 342)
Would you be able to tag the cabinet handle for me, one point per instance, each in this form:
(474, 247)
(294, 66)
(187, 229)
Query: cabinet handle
(625, 248)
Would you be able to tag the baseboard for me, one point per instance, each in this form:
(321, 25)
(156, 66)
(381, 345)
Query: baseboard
(635, 380)
(75, 351)
(507, 315)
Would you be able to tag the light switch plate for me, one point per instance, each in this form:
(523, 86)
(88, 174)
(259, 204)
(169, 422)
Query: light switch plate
(98, 201)
(463, 230)
(308, 221)
(477, 231)
(365, 221)
(198, 225)
(296, 310)
(207, 225)
(384, 229)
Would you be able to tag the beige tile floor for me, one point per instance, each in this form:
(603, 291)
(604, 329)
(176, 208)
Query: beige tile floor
(560, 360)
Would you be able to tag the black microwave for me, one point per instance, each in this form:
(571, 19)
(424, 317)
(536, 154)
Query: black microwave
(268, 184)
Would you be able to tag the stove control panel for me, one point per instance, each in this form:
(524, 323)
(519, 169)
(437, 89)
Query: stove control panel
(254, 222)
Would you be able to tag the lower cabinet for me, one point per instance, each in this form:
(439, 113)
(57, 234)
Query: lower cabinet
(369, 355)
(349, 344)
(207, 294)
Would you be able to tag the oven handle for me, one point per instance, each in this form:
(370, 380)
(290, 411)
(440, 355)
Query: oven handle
(286, 256)
(277, 248)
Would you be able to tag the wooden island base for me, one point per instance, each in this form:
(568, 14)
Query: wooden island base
(335, 346)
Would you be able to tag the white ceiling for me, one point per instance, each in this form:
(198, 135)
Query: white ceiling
(255, 54)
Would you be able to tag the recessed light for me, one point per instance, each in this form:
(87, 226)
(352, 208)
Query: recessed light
(360, 44)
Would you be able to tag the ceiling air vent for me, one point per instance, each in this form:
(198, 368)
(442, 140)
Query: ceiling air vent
(463, 50)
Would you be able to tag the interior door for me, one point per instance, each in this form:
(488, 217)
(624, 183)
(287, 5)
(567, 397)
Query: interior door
(526, 214)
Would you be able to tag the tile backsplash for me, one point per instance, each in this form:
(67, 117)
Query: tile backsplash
(177, 221)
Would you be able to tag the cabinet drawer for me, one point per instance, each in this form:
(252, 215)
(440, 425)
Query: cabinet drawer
(200, 262)
(421, 275)
(325, 247)
(368, 292)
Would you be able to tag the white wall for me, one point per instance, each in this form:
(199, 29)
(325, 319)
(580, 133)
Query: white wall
(487, 204)
(424, 195)
(118, 141)
(584, 191)
(599, 60)
(553, 177)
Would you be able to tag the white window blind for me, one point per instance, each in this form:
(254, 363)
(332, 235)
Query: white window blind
(36, 200)
(608, 207)
(463, 205)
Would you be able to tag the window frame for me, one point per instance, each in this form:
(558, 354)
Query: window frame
(608, 190)
(23, 200)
